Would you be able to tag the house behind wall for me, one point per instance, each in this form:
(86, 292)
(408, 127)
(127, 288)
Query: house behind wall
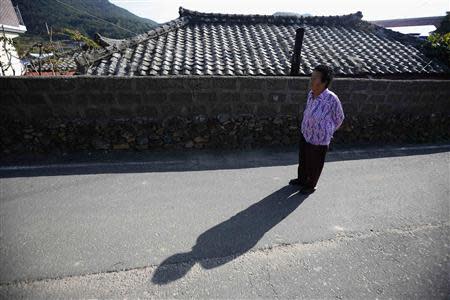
(11, 26)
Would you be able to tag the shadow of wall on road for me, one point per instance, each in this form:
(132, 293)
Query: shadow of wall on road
(200, 160)
(228, 240)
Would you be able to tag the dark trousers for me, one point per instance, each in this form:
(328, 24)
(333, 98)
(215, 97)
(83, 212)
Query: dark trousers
(311, 160)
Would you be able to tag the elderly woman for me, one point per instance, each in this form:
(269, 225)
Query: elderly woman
(322, 116)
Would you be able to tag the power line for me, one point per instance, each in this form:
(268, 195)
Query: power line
(85, 12)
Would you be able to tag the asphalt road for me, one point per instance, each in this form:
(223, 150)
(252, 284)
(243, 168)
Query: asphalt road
(378, 226)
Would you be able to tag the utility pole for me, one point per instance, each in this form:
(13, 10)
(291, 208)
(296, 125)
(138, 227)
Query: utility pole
(295, 64)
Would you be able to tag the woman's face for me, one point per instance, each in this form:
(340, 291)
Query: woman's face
(316, 81)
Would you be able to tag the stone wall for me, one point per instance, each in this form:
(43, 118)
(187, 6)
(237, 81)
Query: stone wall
(64, 114)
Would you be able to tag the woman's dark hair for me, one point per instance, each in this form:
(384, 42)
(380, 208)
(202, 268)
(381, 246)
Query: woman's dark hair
(327, 73)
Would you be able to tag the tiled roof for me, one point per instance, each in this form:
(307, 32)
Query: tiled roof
(199, 43)
(66, 61)
(8, 14)
(63, 62)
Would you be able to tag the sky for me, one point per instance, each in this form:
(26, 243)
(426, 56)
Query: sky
(165, 10)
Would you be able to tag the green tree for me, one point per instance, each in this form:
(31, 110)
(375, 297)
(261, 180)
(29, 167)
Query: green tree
(438, 43)
(75, 35)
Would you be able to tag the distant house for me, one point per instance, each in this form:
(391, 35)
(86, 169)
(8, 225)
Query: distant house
(199, 43)
(61, 64)
(11, 25)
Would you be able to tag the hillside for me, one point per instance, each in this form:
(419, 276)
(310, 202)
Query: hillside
(59, 14)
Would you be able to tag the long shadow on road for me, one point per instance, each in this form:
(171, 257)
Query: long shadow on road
(182, 161)
(233, 237)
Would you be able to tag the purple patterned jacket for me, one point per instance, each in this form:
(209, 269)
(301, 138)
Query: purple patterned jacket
(322, 117)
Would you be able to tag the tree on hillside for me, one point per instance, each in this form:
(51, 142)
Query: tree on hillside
(86, 16)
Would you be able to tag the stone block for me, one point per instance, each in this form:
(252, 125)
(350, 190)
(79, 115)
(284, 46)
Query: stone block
(290, 109)
(377, 98)
(298, 97)
(380, 85)
(277, 97)
(205, 97)
(64, 85)
(225, 83)
(358, 97)
(34, 98)
(243, 108)
(298, 84)
(180, 97)
(197, 83)
(153, 97)
(252, 97)
(128, 98)
(266, 110)
(360, 85)
(274, 84)
(229, 97)
(250, 83)
(103, 99)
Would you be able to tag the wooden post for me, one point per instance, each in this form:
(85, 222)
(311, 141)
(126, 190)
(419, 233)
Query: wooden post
(295, 64)
(40, 57)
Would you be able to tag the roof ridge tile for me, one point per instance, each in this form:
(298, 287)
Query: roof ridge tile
(342, 20)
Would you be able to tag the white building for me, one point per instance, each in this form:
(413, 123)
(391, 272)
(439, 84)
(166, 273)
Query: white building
(11, 25)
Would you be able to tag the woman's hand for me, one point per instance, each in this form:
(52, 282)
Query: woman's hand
(337, 114)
